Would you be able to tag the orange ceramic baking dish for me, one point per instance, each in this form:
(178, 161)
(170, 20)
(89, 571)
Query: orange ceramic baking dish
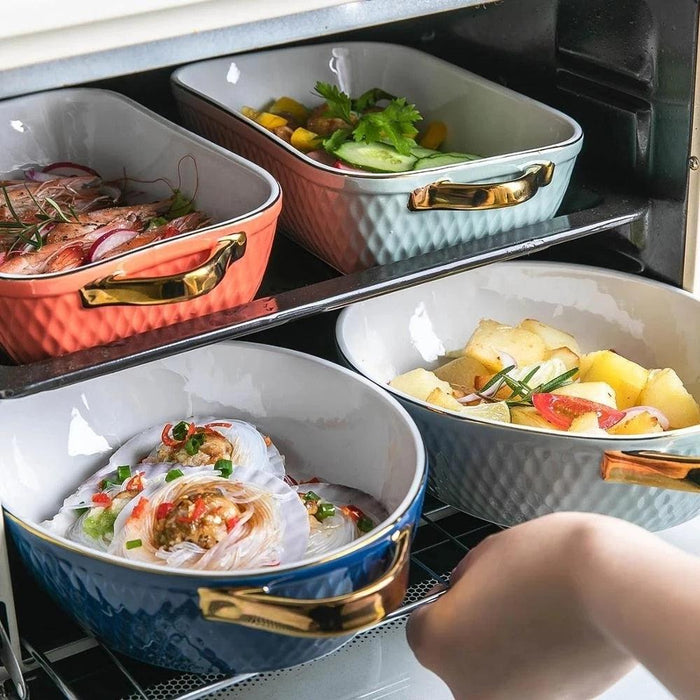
(189, 275)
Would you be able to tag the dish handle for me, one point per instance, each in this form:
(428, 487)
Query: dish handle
(314, 617)
(650, 468)
(493, 195)
(149, 291)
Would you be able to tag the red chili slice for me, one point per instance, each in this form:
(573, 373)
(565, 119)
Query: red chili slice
(200, 508)
(221, 425)
(231, 523)
(102, 500)
(561, 410)
(140, 508)
(163, 510)
(353, 512)
(165, 436)
(135, 483)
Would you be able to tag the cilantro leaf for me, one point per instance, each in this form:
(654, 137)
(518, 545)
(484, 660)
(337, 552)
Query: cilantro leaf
(370, 98)
(333, 142)
(394, 124)
(339, 104)
(180, 206)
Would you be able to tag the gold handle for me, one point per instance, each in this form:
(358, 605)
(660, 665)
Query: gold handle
(647, 468)
(495, 195)
(147, 291)
(310, 617)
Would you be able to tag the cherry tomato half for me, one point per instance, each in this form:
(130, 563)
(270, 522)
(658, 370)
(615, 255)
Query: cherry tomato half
(561, 410)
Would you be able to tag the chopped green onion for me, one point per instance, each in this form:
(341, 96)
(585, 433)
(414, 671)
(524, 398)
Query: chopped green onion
(325, 510)
(225, 466)
(133, 544)
(365, 524)
(180, 430)
(123, 473)
(311, 496)
(194, 443)
(173, 474)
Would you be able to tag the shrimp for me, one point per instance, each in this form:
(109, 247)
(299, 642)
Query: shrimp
(25, 199)
(324, 126)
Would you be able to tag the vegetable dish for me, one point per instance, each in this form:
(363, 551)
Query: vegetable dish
(374, 132)
(535, 375)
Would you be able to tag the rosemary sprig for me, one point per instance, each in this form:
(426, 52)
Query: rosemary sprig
(33, 233)
(521, 392)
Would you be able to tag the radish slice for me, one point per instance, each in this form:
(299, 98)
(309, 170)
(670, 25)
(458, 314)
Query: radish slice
(636, 410)
(34, 175)
(343, 166)
(109, 241)
(68, 169)
(321, 157)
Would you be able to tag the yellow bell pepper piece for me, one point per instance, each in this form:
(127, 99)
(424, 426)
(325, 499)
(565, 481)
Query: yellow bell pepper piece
(305, 140)
(287, 105)
(270, 121)
(250, 112)
(434, 135)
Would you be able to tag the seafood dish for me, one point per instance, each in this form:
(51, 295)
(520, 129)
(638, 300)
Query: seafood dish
(213, 494)
(536, 375)
(375, 132)
(64, 215)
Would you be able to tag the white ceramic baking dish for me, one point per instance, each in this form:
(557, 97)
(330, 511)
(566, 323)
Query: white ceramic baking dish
(509, 473)
(354, 221)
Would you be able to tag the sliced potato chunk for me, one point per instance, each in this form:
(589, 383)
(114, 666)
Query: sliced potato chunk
(419, 383)
(566, 356)
(586, 423)
(664, 390)
(529, 415)
(441, 398)
(600, 392)
(460, 373)
(626, 377)
(491, 339)
(636, 425)
(553, 338)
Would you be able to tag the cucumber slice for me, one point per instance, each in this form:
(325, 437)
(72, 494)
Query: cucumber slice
(441, 159)
(420, 152)
(375, 157)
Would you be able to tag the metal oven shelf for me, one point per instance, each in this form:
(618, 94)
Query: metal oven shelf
(297, 285)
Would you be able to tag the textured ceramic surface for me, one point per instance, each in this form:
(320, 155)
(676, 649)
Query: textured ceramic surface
(357, 221)
(505, 473)
(81, 125)
(324, 419)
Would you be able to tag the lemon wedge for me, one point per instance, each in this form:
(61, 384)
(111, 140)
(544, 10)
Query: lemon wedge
(497, 411)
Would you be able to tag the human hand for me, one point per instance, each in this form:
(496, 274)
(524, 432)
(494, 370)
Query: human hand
(515, 623)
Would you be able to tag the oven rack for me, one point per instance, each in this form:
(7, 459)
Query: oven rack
(297, 285)
(82, 669)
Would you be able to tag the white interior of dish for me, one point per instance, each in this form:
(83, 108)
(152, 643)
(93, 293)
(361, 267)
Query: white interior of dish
(114, 136)
(326, 420)
(648, 322)
(483, 117)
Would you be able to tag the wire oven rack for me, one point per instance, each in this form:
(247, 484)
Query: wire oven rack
(63, 662)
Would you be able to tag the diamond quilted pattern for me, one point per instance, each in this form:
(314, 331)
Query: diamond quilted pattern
(508, 476)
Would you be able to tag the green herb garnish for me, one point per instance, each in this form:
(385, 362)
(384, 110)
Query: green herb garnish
(123, 473)
(365, 524)
(180, 430)
(173, 474)
(393, 125)
(225, 466)
(324, 510)
(180, 206)
(311, 496)
(194, 443)
(133, 544)
(156, 222)
(82, 511)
